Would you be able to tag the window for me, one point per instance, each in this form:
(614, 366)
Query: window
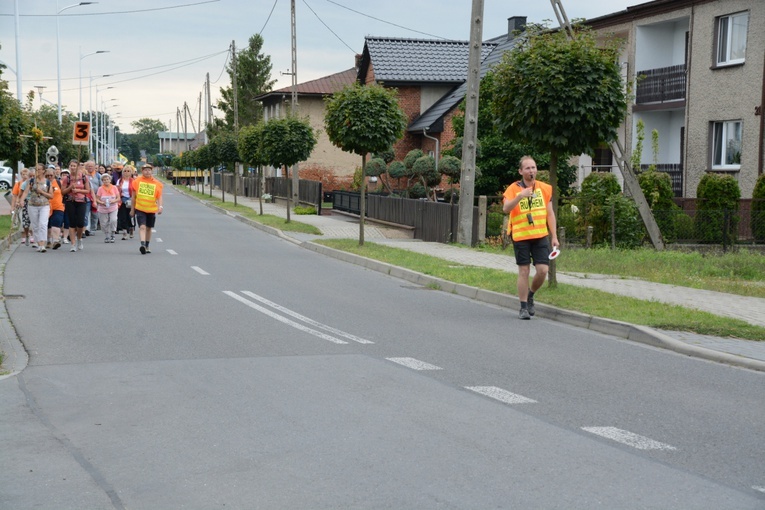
(731, 38)
(726, 145)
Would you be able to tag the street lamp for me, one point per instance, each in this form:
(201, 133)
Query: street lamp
(58, 50)
(80, 72)
(90, 110)
(95, 130)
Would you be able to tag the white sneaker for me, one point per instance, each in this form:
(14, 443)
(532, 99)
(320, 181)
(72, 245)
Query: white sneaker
(80, 246)
(73, 248)
(66, 240)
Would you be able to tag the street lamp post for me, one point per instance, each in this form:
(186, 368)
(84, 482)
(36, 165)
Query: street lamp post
(95, 130)
(58, 50)
(80, 72)
(104, 127)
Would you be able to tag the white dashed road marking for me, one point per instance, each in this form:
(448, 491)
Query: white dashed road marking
(501, 395)
(306, 319)
(200, 270)
(282, 319)
(759, 489)
(414, 364)
(172, 252)
(628, 438)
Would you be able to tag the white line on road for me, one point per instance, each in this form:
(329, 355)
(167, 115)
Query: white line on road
(200, 270)
(414, 364)
(284, 320)
(306, 319)
(159, 239)
(757, 488)
(628, 438)
(501, 395)
(172, 252)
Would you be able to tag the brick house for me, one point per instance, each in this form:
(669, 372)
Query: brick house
(425, 72)
(699, 72)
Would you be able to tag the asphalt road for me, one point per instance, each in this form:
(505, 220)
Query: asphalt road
(232, 369)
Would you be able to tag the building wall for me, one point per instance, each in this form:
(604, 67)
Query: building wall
(729, 93)
(325, 155)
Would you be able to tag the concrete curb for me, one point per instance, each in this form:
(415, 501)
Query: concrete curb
(16, 356)
(632, 332)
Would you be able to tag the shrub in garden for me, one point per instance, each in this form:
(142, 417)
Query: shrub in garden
(758, 210)
(657, 188)
(628, 225)
(594, 208)
(718, 199)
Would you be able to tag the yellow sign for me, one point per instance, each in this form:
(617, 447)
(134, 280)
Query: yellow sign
(81, 135)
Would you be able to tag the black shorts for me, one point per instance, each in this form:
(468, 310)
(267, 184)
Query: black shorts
(536, 249)
(75, 211)
(144, 218)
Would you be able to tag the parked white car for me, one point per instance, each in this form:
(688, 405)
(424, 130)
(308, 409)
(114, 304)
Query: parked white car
(6, 176)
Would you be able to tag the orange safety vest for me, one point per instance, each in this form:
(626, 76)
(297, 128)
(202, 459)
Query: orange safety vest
(519, 226)
(147, 192)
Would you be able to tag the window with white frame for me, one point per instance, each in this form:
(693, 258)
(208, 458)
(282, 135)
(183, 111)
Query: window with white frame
(731, 38)
(726, 145)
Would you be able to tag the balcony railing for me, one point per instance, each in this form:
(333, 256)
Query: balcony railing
(661, 85)
(675, 171)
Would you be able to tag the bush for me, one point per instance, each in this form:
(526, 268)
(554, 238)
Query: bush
(717, 215)
(375, 167)
(304, 209)
(684, 229)
(758, 210)
(412, 156)
(657, 188)
(494, 223)
(594, 206)
(628, 225)
(567, 217)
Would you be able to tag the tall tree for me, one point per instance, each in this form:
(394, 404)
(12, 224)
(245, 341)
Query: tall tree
(364, 119)
(146, 136)
(14, 122)
(253, 76)
(251, 150)
(561, 95)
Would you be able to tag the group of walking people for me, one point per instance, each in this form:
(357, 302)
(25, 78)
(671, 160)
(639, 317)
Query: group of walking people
(64, 206)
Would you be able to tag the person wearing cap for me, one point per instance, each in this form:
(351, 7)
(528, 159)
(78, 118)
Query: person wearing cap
(146, 204)
(529, 204)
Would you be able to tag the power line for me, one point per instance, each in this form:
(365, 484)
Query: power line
(228, 55)
(327, 26)
(269, 17)
(112, 12)
(387, 22)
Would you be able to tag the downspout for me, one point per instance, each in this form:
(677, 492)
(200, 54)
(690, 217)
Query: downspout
(425, 134)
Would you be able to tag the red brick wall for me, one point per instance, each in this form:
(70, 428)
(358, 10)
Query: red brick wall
(409, 100)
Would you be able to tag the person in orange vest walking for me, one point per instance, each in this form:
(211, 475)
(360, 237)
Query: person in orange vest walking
(145, 204)
(529, 204)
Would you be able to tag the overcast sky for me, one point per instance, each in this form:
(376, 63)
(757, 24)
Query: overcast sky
(160, 50)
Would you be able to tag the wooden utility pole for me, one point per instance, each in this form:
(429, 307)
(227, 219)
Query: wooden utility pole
(236, 113)
(470, 138)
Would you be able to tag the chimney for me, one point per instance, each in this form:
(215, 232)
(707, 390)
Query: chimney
(515, 24)
(358, 61)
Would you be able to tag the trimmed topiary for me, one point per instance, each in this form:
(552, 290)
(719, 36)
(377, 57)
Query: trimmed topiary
(717, 215)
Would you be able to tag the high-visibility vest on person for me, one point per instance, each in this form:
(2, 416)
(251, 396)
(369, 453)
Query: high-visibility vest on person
(519, 226)
(147, 192)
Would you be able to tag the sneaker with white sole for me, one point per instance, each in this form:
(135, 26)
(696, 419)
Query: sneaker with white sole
(73, 248)
(524, 314)
(80, 246)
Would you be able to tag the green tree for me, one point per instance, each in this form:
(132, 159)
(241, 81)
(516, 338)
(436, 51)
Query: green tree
(364, 119)
(14, 122)
(287, 141)
(253, 78)
(561, 95)
(250, 149)
(145, 138)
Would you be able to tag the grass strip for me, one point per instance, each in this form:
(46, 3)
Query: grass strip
(569, 297)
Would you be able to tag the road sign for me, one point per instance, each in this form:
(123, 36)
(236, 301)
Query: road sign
(81, 135)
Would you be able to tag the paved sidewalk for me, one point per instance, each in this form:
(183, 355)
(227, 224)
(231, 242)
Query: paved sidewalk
(749, 309)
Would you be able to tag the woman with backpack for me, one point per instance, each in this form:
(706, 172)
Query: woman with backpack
(38, 192)
(76, 190)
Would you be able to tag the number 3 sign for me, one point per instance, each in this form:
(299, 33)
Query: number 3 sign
(81, 134)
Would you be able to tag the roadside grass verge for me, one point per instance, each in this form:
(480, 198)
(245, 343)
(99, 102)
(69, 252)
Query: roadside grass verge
(741, 272)
(5, 225)
(252, 214)
(569, 297)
